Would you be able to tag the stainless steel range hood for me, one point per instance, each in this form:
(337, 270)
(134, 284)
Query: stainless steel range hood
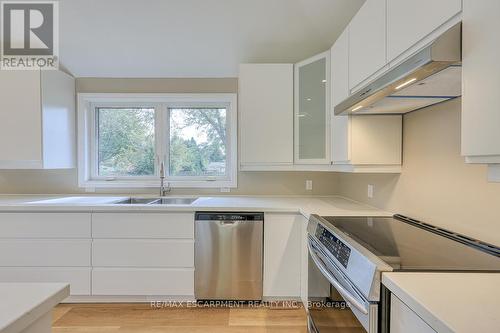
(431, 76)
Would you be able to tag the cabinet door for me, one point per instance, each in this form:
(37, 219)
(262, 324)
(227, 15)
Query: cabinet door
(408, 21)
(341, 148)
(367, 42)
(282, 255)
(266, 114)
(58, 112)
(340, 91)
(481, 81)
(312, 94)
(404, 320)
(304, 261)
(20, 120)
(340, 69)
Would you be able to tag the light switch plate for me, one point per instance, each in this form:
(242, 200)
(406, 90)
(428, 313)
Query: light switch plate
(309, 185)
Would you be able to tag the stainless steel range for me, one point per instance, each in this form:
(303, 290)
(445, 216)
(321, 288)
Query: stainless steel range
(347, 256)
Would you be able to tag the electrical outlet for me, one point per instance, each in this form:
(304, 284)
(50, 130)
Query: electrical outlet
(309, 185)
(370, 191)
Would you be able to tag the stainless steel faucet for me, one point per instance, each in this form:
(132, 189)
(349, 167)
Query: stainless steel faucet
(164, 190)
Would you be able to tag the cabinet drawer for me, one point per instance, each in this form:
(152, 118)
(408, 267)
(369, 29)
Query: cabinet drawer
(148, 282)
(143, 253)
(44, 225)
(78, 278)
(142, 225)
(42, 252)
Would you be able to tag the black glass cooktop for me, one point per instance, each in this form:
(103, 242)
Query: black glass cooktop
(407, 244)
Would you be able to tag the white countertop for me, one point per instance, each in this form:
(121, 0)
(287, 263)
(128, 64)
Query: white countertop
(326, 206)
(23, 303)
(450, 302)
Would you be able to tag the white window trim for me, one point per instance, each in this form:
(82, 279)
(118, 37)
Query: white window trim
(86, 129)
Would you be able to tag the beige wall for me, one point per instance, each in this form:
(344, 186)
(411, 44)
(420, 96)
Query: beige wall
(172, 85)
(435, 185)
(249, 183)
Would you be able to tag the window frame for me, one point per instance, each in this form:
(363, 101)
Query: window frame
(166, 139)
(162, 103)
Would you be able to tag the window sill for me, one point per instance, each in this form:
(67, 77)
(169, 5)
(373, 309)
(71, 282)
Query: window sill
(156, 184)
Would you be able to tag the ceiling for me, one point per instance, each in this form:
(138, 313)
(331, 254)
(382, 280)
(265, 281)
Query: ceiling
(194, 38)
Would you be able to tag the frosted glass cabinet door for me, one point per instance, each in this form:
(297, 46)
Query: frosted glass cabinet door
(312, 93)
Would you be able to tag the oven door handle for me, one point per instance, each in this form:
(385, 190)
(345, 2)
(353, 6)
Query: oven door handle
(342, 291)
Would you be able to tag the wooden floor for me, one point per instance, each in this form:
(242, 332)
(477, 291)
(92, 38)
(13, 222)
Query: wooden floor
(135, 318)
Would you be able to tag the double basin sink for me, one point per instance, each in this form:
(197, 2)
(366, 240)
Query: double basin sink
(156, 201)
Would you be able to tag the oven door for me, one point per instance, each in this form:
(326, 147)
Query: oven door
(334, 305)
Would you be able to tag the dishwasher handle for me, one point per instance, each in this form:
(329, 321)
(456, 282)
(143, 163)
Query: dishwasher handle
(223, 223)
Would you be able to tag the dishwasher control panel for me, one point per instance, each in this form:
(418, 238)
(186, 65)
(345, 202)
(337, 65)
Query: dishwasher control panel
(211, 216)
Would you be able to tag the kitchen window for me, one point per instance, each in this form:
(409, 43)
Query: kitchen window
(124, 137)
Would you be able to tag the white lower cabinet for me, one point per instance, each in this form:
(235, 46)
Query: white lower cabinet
(135, 254)
(46, 247)
(45, 225)
(102, 254)
(45, 252)
(143, 282)
(142, 253)
(77, 277)
(143, 225)
(282, 255)
(304, 261)
(404, 320)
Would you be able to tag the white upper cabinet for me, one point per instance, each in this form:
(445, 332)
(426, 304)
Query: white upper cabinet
(266, 115)
(481, 82)
(312, 104)
(370, 143)
(339, 77)
(339, 55)
(37, 120)
(367, 42)
(409, 21)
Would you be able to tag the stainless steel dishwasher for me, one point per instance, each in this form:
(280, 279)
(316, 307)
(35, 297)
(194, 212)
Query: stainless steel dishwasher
(228, 256)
